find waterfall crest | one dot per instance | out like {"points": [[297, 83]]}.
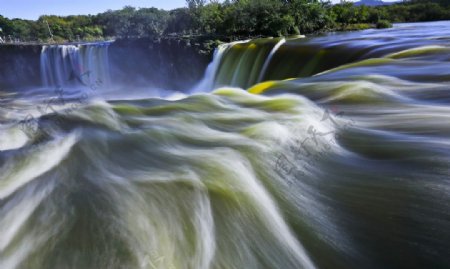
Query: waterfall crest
{"points": [[75, 65]]}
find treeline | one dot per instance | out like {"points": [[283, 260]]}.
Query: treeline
{"points": [[223, 18], [418, 11], [59, 29]]}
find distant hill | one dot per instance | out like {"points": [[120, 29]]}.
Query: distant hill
{"points": [[372, 3]]}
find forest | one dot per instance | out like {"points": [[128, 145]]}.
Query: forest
{"points": [[216, 19]]}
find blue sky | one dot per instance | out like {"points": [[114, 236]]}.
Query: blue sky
{"points": [[32, 9]]}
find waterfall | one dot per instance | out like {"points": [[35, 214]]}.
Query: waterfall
{"points": [[347, 168], [271, 54], [208, 81], [75, 65], [244, 64]]}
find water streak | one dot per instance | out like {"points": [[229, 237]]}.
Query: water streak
{"points": [[330, 162], [70, 65]]}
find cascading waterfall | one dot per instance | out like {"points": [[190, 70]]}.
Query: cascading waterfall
{"points": [[75, 65], [209, 79], [335, 156], [269, 59], [246, 63]]}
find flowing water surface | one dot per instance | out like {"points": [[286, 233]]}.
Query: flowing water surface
{"points": [[324, 152]]}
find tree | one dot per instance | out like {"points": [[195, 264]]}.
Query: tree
{"points": [[192, 4]]}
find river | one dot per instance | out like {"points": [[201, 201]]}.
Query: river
{"points": [[324, 152]]}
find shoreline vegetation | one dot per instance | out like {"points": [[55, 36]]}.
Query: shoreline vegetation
{"points": [[205, 24]]}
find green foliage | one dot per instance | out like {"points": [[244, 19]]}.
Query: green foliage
{"points": [[228, 19], [180, 21], [131, 22], [417, 10], [383, 24], [346, 13]]}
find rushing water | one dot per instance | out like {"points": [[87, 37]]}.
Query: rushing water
{"points": [[68, 65], [340, 158]]}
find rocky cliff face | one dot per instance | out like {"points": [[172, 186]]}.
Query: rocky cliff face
{"points": [[168, 64], [19, 66]]}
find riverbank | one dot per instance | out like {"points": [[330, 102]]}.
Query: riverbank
{"points": [[204, 44]]}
